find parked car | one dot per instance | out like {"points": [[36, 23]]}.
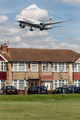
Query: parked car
{"points": [[9, 90], [61, 90], [37, 90], [77, 90], [70, 87]]}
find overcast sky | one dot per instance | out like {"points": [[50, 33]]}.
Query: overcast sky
{"points": [[65, 37]]}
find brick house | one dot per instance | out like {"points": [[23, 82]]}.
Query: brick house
{"points": [[25, 67]]}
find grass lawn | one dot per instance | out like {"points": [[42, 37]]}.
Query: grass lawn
{"points": [[67, 108]]}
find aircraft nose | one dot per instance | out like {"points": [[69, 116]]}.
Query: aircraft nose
{"points": [[18, 20]]}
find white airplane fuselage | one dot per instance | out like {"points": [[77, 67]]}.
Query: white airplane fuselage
{"points": [[24, 21]]}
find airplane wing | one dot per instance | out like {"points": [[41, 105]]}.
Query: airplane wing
{"points": [[50, 23], [57, 22], [56, 26]]}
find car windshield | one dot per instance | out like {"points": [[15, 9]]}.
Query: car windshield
{"points": [[10, 87], [42, 87], [33, 88], [76, 88], [13, 87]]}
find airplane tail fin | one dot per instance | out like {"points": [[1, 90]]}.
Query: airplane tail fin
{"points": [[50, 19]]}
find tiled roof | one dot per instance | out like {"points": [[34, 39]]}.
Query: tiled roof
{"points": [[46, 77], [39, 55]]}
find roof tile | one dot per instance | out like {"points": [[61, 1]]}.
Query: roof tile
{"points": [[40, 55]]}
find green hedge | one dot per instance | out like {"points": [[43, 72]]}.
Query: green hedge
{"points": [[37, 97]]}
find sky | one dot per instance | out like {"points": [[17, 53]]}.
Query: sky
{"points": [[67, 36]]}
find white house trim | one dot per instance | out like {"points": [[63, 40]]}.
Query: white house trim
{"points": [[3, 58], [78, 61]]}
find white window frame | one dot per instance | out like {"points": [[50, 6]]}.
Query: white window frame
{"points": [[4, 63], [17, 82], [58, 65], [75, 69], [44, 64], [1, 83], [14, 65], [33, 64], [18, 63], [58, 82], [76, 82]]}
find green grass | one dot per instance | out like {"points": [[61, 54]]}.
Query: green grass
{"points": [[38, 97], [40, 107]]}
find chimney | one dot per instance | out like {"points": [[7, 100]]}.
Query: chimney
{"points": [[4, 48]]}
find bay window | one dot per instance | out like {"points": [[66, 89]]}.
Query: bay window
{"points": [[76, 67], [76, 82], [58, 67], [20, 66], [20, 84], [59, 83]]}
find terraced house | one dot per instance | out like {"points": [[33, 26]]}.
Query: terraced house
{"points": [[25, 67]]}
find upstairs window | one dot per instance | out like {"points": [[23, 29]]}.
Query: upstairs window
{"points": [[20, 66], [15, 66], [34, 67], [45, 67], [76, 67], [58, 67], [2, 66]]}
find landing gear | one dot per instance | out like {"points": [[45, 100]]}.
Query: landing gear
{"points": [[41, 29], [31, 29]]}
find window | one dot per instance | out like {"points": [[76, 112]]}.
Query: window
{"points": [[59, 83], [15, 83], [15, 66], [26, 66], [61, 66], [34, 67], [77, 83], [79, 67], [2, 66], [58, 67], [3, 83], [76, 67], [20, 84], [20, 66], [45, 67]]}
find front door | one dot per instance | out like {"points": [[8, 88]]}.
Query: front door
{"points": [[48, 85], [33, 82]]}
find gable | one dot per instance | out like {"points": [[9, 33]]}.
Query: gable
{"points": [[78, 61], [2, 58]]}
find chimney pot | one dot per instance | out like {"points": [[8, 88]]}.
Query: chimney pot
{"points": [[4, 48]]}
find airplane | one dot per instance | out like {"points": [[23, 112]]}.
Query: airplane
{"points": [[25, 21]]}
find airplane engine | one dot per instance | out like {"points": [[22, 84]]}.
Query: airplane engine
{"points": [[21, 25], [42, 25]]}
